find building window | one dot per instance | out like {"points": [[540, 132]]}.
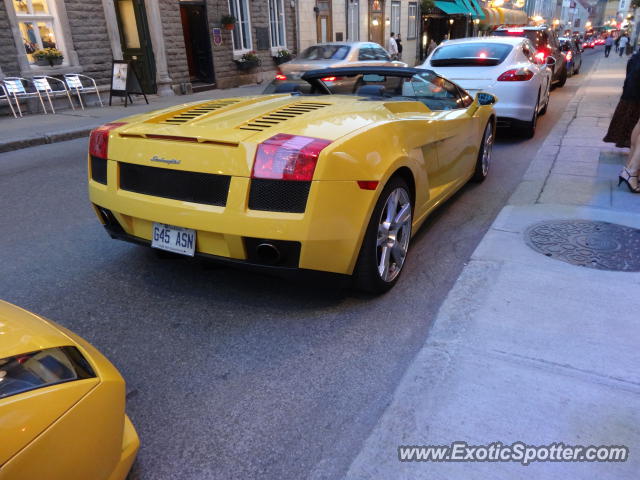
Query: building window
{"points": [[242, 33], [38, 26], [276, 22], [395, 17], [412, 30], [353, 21]]}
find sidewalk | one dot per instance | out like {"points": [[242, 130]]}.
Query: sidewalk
{"points": [[39, 129], [526, 347]]}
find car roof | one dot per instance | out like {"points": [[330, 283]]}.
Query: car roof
{"points": [[488, 39], [24, 332], [348, 44]]}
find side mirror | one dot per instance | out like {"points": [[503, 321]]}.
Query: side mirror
{"points": [[484, 98]]}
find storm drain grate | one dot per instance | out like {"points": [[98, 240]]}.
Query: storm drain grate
{"points": [[600, 245]]}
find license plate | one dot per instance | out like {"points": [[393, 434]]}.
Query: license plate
{"points": [[173, 239]]}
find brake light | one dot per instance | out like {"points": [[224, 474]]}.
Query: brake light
{"points": [[280, 76], [99, 139], [515, 30], [569, 55], [516, 75], [288, 157], [541, 55], [329, 79]]}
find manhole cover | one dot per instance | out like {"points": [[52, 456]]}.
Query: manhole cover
{"points": [[601, 245]]}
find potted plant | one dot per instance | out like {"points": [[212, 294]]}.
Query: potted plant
{"points": [[48, 56], [248, 61], [228, 22], [283, 56]]}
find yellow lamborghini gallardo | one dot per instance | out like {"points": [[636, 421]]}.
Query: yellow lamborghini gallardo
{"points": [[332, 176]]}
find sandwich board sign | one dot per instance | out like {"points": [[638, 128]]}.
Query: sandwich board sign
{"points": [[124, 82]]}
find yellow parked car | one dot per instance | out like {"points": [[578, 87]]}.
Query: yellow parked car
{"points": [[61, 405], [324, 178]]}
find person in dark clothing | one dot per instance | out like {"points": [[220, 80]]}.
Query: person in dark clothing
{"points": [[617, 43], [399, 42], [624, 129]]}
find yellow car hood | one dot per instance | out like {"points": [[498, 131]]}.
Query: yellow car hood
{"points": [[25, 416]]}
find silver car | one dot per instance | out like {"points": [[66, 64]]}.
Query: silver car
{"points": [[333, 55]]}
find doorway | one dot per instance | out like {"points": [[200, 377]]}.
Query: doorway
{"points": [[136, 42], [323, 21], [196, 41], [376, 22]]}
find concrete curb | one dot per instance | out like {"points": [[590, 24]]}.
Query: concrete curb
{"points": [[535, 178], [44, 139]]}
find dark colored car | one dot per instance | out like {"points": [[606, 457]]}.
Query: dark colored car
{"points": [[547, 46], [572, 54]]}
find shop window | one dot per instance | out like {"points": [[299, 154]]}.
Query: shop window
{"points": [[38, 26], [395, 17], [412, 29], [276, 22], [242, 33]]}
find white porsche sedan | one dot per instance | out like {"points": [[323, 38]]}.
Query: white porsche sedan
{"points": [[504, 66]]}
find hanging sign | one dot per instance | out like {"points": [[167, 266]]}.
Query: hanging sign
{"points": [[217, 36], [124, 82]]}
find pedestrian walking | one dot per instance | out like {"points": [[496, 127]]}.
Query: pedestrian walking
{"points": [[622, 46], [393, 47], [432, 46], [617, 43], [608, 43], [624, 130], [399, 44]]}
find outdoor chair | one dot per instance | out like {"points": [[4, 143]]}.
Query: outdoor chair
{"points": [[43, 84], [16, 88], [4, 95], [76, 84]]}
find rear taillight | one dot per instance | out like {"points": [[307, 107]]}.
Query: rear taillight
{"points": [[280, 76], [568, 55], [99, 139], [516, 75], [288, 157]]}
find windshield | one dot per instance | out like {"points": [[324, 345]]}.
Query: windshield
{"points": [[325, 52], [40, 369], [481, 54], [534, 35]]}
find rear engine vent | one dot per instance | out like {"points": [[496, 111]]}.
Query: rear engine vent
{"points": [[278, 195], [195, 187], [195, 112], [271, 119]]}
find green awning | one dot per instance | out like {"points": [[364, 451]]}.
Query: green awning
{"points": [[450, 7], [460, 7]]}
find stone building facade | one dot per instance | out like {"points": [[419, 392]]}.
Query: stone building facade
{"points": [[361, 20], [174, 45]]}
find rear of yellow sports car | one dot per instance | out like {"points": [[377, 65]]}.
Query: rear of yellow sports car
{"points": [[278, 181]]}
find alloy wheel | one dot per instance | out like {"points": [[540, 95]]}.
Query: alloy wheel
{"points": [[394, 233], [487, 148]]}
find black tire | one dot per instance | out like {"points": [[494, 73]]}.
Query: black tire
{"points": [[576, 72], [366, 276], [546, 105], [480, 172], [528, 129], [563, 77]]}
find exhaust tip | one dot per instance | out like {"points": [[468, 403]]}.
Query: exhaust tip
{"points": [[268, 253]]}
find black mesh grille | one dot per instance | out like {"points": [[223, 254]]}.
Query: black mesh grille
{"points": [[278, 195], [175, 184], [99, 170]]}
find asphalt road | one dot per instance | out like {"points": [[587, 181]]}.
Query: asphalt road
{"points": [[233, 375]]}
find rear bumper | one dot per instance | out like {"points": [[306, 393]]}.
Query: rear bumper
{"points": [[329, 232]]}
